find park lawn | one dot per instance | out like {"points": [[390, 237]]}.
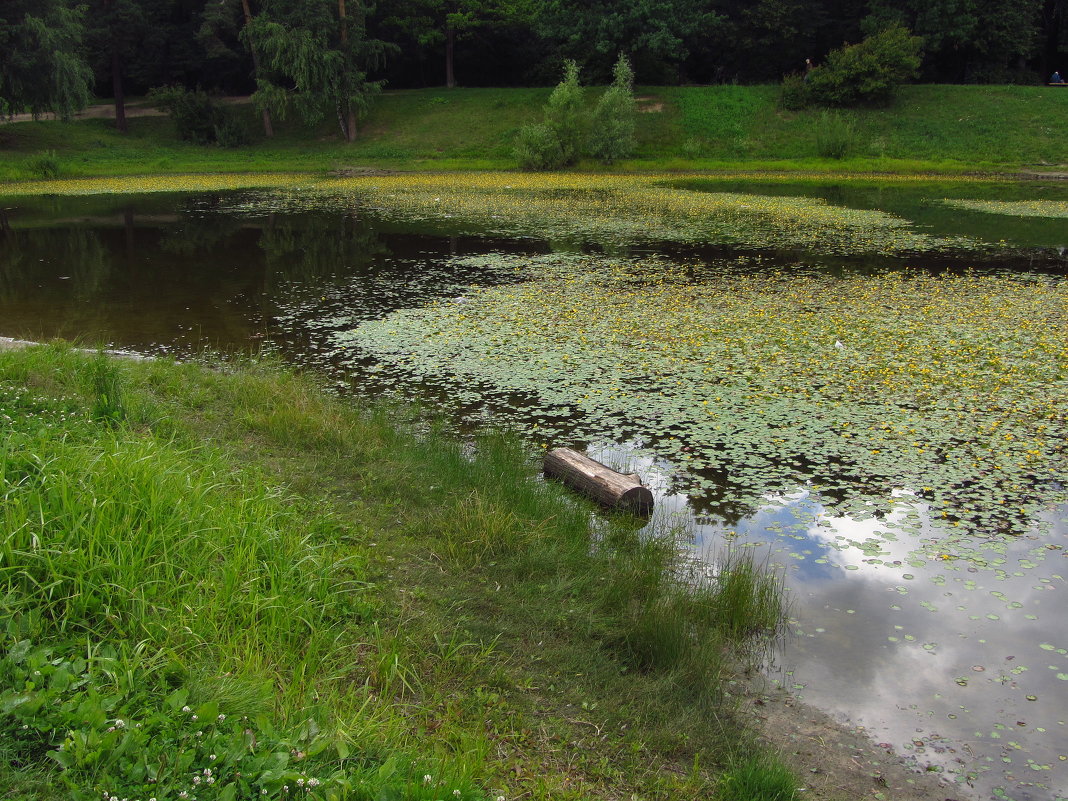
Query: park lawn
{"points": [[928, 128]]}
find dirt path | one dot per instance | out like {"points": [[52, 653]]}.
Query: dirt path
{"points": [[106, 111]]}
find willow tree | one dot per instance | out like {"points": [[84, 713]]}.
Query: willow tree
{"points": [[315, 58], [41, 66]]}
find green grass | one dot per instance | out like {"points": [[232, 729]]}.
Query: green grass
{"points": [[761, 778], [367, 599], [928, 128]]}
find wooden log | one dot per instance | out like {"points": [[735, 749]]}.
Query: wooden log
{"points": [[603, 484]]}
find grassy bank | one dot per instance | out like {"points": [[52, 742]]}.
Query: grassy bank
{"points": [[226, 584], [928, 128]]}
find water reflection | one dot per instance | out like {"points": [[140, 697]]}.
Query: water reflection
{"points": [[957, 661]]}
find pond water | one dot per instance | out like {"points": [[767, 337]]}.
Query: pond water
{"points": [[865, 383]]}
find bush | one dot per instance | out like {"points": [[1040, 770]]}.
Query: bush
{"points": [[197, 117], [862, 74], [193, 113], [836, 134], [230, 132], [612, 125], [556, 142], [537, 148], [793, 95], [564, 115]]}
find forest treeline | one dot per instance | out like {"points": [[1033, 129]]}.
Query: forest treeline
{"points": [[333, 54]]}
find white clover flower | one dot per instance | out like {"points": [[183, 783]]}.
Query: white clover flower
{"points": [[300, 782], [313, 782], [427, 778], [195, 717], [456, 793], [119, 723], [196, 780], [207, 771], [212, 757], [186, 709], [500, 798], [222, 717], [210, 780]]}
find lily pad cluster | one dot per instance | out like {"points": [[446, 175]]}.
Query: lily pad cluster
{"points": [[615, 210], [1018, 208], [954, 388]]}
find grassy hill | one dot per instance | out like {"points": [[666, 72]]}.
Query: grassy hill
{"points": [[941, 128]]}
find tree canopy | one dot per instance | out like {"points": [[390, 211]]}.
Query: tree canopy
{"points": [[326, 57], [42, 67]]}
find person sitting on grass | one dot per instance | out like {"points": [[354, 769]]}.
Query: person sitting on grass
{"points": [[1056, 77]]}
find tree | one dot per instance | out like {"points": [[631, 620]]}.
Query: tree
{"points": [[612, 124], [860, 74], [41, 66], [966, 39], [557, 141], [232, 16], [430, 24], [141, 44], [117, 30], [656, 35], [316, 55]]}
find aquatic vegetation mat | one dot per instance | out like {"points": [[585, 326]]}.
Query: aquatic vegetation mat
{"points": [[753, 381], [1016, 208], [613, 210], [192, 182]]}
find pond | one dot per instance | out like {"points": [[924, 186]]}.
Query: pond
{"points": [[866, 383]]}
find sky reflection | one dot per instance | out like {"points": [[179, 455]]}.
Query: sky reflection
{"points": [[947, 647]]}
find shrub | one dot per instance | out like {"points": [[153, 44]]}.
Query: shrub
{"points": [[612, 125], [556, 142], [537, 148], [794, 96], [193, 113], [197, 117], [564, 115], [862, 74], [836, 135], [229, 132]]}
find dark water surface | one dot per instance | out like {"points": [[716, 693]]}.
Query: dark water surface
{"points": [[960, 663]]}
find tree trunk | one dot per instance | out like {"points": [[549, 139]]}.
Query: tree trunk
{"points": [[450, 47], [603, 484], [120, 96], [349, 125], [268, 127], [116, 77]]}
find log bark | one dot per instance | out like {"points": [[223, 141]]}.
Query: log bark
{"points": [[603, 484]]}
